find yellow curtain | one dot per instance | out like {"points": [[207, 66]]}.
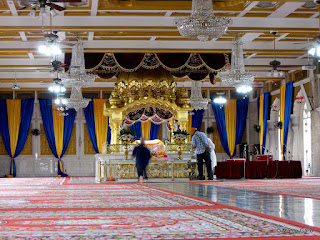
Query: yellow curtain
{"points": [[14, 112], [100, 121], [261, 121], [231, 123], [189, 125], [58, 124], [145, 127], [282, 109]]}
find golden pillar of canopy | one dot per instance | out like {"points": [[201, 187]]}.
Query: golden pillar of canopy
{"points": [[143, 89]]}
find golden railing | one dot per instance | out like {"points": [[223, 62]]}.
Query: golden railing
{"points": [[169, 147], [155, 169]]}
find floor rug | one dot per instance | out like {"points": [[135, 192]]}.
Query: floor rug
{"points": [[131, 211], [306, 187]]}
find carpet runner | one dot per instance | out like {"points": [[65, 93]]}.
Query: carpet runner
{"points": [[306, 187], [129, 211]]}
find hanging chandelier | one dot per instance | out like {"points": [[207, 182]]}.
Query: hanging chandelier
{"points": [[196, 99], [236, 76], [202, 24], [76, 100], [77, 75]]}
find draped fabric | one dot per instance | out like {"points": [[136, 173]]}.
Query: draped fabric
{"points": [[154, 130], [108, 64], [97, 124], [136, 128], [242, 113], [219, 115], [15, 118], [89, 116], [101, 122], [230, 112], [58, 130], [145, 127], [263, 108], [197, 119], [286, 96], [189, 126], [231, 122]]}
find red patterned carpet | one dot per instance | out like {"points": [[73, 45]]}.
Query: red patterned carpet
{"points": [[305, 187], [51, 208]]}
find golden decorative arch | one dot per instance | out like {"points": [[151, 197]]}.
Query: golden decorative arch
{"points": [[142, 89]]}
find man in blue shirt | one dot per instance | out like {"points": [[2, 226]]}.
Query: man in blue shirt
{"points": [[199, 141], [142, 155]]}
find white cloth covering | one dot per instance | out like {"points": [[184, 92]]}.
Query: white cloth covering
{"points": [[212, 154]]}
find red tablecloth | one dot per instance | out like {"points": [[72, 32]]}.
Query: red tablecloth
{"points": [[230, 169], [259, 169], [256, 169], [284, 169]]}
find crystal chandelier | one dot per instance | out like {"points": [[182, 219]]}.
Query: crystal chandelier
{"points": [[202, 24], [196, 99], [236, 76], [77, 75], [76, 100]]}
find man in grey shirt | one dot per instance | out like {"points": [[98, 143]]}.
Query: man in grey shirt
{"points": [[199, 141]]}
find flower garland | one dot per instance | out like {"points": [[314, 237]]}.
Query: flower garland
{"points": [[180, 136], [126, 136]]}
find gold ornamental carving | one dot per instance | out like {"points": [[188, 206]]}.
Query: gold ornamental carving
{"points": [[146, 88]]}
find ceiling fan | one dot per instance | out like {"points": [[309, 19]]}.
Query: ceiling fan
{"points": [[34, 4], [15, 86]]}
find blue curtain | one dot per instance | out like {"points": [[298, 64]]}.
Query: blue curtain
{"points": [[67, 129], [287, 113], [197, 119], [154, 130], [4, 126], [218, 111], [109, 133], [242, 112], [136, 128], [47, 119], [25, 122], [89, 116]]}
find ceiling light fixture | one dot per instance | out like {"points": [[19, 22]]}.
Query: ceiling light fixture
{"points": [[221, 99], [236, 75], [57, 86], [202, 24], [274, 72], [77, 75], [196, 99], [76, 100]]}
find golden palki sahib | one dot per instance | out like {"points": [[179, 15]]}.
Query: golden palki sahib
{"points": [[143, 89]]}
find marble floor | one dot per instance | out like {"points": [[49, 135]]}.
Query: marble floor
{"points": [[299, 209]]}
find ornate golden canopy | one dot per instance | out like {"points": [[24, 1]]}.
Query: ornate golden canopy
{"points": [[142, 89]]}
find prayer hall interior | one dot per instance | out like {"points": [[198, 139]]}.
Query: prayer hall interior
{"points": [[82, 81]]}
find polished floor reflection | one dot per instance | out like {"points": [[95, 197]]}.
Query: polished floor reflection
{"points": [[299, 209]]}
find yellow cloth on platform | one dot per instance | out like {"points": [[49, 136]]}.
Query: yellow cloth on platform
{"points": [[261, 121], [101, 122], [14, 113], [58, 124], [230, 111], [282, 109], [145, 127]]}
